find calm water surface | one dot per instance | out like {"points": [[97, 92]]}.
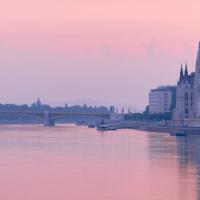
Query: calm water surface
{"points": [[77, 163]]}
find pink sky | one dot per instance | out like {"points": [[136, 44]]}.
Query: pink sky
{"points": [[63, 50]]}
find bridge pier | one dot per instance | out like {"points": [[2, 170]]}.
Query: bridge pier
{"points": [[47, 120], [49, 123]]}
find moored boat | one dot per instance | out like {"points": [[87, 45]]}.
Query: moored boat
{"points": [[91, 125], [106, 127], [177, 133]]}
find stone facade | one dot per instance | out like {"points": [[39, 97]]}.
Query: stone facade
{"points": [[187, 110]]}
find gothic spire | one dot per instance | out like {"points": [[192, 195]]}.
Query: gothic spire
{"points": [[198, 61], [181, 74], [186, 70]]}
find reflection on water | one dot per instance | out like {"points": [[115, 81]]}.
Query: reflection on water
{"points": [[70, 162]]}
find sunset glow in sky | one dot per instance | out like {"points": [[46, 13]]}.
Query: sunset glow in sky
{"points": [[106, 50]]}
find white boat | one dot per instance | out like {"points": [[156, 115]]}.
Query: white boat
{"points": [[106, 127]]}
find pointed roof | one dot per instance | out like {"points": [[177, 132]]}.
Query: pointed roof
{"points": [[197, 70], [181, 74], [186, 70], [38, 102]]}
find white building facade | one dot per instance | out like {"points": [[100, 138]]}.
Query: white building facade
{"points": [[161, 99]]}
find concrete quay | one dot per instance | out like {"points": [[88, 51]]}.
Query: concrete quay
{"points": [[153, 127]]}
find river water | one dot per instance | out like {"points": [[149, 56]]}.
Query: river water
{"points": [[77, 163]]}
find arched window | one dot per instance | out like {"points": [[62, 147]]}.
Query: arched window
{"points": [[186, 105], [192, 99], [186, 96]]}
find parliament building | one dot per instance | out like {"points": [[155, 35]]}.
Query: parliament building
{"points": [[187, 109]]}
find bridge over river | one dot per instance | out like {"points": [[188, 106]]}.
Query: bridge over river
{"points": [[49, 118]]}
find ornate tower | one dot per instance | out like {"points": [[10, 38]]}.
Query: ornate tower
{"points": [[197, 85], [181, 74], [186, 70]]}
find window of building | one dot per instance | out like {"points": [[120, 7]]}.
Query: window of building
{"points": [[186, 105], [191, 100]]}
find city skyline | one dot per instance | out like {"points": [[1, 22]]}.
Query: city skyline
{"points": [[107, 51]]}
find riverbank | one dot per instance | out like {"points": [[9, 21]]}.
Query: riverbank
{"points": [[154, 127]]}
